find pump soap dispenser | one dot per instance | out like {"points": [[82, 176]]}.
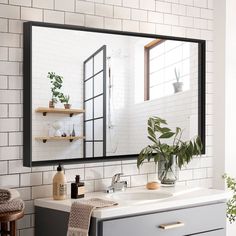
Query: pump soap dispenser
{"points": [[59, 184]]}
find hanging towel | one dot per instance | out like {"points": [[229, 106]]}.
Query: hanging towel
{"points": [[8, 195], [13, 205], [80, 215]]}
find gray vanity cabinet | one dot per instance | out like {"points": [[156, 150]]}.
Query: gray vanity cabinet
{"points": [[206, 220], [200, 220]]}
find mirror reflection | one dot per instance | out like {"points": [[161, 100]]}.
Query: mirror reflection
{"points": [[113, 84]]}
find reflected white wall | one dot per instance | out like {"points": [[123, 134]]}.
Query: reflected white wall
{"points": [[55, 51]]}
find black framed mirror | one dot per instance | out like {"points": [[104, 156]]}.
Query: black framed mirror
{"points": [[107, 83]]}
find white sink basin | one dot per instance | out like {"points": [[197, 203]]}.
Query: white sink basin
{"points": [[139, 196]]}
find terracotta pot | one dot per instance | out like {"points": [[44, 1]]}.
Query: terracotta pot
{"points": [[51, 104], [67, 106]]}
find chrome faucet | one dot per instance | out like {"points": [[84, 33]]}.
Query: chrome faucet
{"points": [[116, 184]]}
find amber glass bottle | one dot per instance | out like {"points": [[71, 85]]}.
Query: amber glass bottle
{"points": [[77, 188]]}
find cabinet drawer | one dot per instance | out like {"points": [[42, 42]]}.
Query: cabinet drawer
{"points": [[191, 220]]}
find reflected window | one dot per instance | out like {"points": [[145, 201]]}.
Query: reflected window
{"points": [[168, 67]]}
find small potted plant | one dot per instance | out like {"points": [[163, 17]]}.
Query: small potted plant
{"points": [[178, 86], [65, 99], [56, 84], [168, 150]]}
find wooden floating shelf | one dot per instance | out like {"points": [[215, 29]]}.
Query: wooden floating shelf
{"points": [[70, 112], [48, 138]]}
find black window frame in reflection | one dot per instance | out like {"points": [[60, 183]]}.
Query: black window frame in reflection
{"points": [[93, 141]]}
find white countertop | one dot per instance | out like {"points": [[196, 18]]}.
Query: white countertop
{"points": [[181, 197]]}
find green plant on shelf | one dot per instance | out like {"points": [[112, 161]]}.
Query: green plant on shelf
{"points": [[56, 82], [64, 98]]}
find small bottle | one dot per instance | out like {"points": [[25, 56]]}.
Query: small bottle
{"points": [[77, 188], [73, 131], [59, 184]]}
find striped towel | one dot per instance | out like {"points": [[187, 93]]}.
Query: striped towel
{"points": [[8, 195], [80, 215], [13, 205]]}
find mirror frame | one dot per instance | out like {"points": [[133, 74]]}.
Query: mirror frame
{"points": [[27, 93]]}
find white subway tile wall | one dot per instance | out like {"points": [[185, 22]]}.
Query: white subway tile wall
{"points": [[188, 18]]}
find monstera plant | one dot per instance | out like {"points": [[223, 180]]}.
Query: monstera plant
{"points": [[168, 149]]}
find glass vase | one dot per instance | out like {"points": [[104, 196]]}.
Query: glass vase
{"points": [[168, 170]]}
